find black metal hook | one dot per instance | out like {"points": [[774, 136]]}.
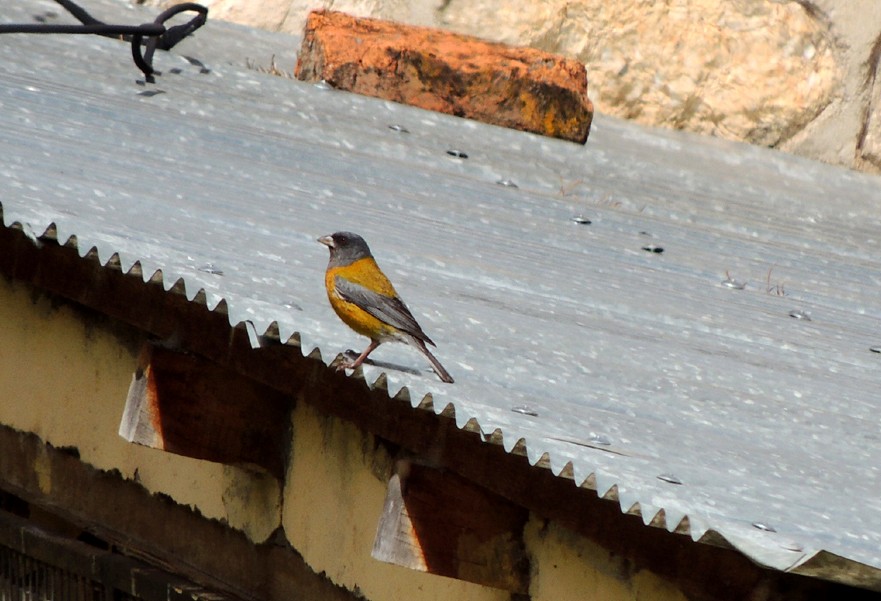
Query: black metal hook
{"points": [[169, 37]]}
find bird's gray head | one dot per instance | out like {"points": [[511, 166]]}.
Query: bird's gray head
{"points": [[345, 248]]}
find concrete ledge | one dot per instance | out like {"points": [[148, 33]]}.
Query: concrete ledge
{"points": [[519, 88]]}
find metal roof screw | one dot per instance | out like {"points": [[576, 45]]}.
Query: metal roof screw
{"points": [[730, 282], [507, 183], [793, 546], [399, 128], [764, 527], [799, 314], [669, 478], [211, 268], [457, 153], [525, 410], [653, 248], [734, 284], [599, 439], [323, 85], [581, 220]]}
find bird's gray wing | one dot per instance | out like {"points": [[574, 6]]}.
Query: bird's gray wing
{"points": [[390, 310]]}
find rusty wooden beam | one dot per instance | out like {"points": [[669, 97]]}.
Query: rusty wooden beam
{"points": [[184, 404], [438, 522]]}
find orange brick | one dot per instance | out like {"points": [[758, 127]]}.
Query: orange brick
{"points": [[520, 88]]}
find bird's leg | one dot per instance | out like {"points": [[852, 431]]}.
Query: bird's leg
{"points": [[353, 364]]}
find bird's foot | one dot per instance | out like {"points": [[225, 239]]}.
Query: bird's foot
{"points": [[348, 360]]}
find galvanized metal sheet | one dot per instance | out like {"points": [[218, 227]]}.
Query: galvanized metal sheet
{"points": [[634, 371]]}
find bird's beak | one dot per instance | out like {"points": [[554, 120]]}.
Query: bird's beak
{"points": [[327, 241]]}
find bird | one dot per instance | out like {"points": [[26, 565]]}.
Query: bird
{"points": [[364, 298]]}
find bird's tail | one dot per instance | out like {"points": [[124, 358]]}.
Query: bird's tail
{"points": [[442, 373]]}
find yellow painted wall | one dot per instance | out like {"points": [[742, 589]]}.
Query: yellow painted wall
{"points": [[568, 567], [64, 377]]}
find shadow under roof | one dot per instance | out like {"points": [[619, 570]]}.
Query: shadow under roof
{"points": [[751, 411]]}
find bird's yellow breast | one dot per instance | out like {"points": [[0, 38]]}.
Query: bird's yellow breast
{"points": [[364, 272]]}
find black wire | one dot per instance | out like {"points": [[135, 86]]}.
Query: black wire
{"points": [[78, 12], [150, 29], [158, 36]]}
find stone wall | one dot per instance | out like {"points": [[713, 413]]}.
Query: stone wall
{"points": [[800, 76]]}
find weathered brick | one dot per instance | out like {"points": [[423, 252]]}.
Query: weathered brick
{"points": [[520, 88]]}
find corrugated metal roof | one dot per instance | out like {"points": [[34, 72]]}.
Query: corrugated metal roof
{"points": [[639, 373]]}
